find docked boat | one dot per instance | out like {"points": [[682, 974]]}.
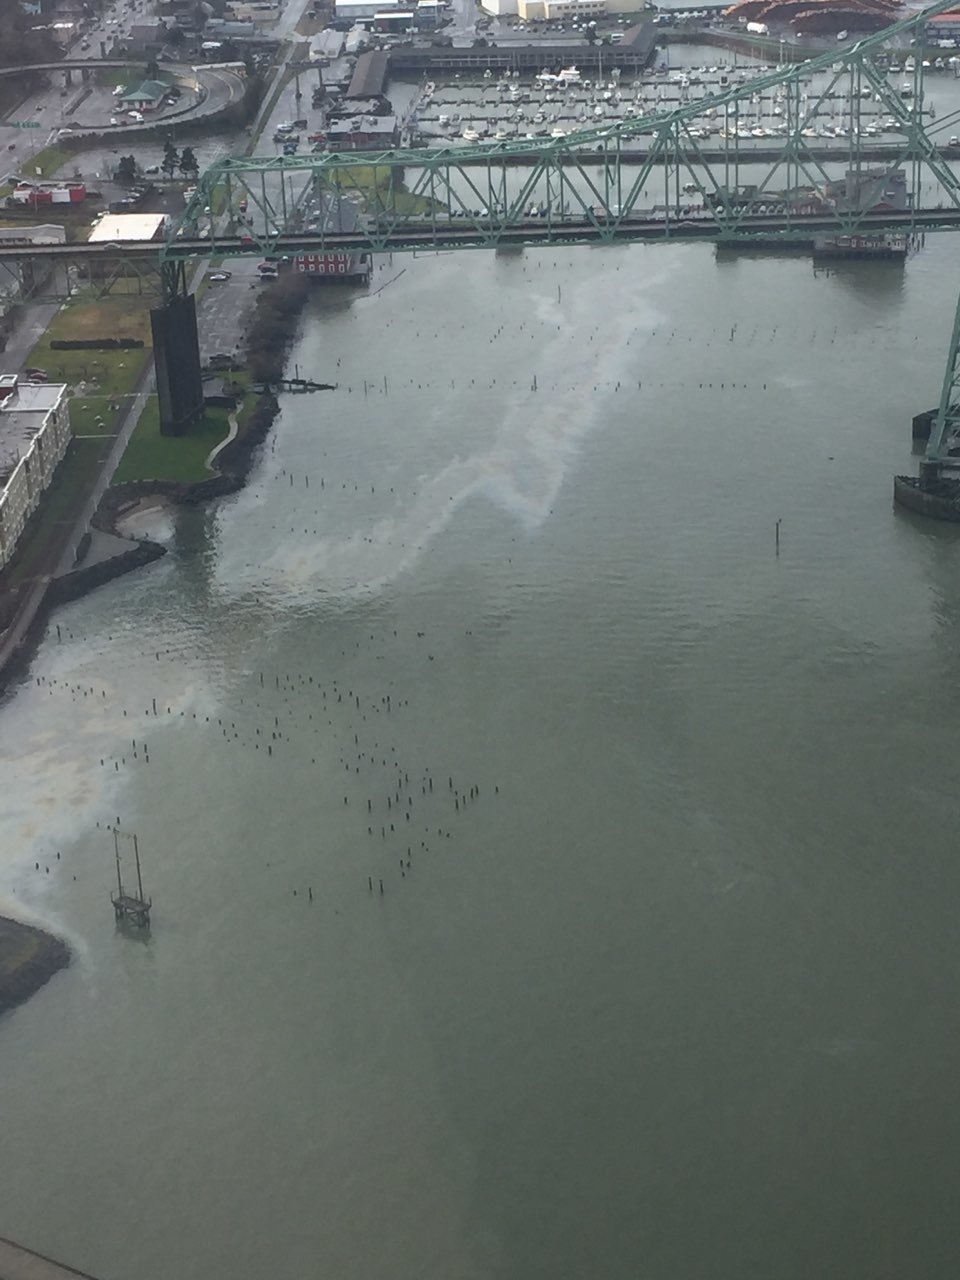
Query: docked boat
{"points": [[470, 135]]}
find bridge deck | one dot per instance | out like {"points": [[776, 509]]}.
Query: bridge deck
{"points": [[18, 1263], [473, 233]]}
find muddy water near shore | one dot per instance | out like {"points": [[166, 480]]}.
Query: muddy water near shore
{"points": [[661, 977]]}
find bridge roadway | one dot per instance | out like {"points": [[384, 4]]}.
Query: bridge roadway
{"points": [[471, 233], [85, 64]]}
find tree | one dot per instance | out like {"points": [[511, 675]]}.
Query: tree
{"points": [[153, 69], [591, 35], [127, 169], [176, 36], [188, 161], [170, 158]]}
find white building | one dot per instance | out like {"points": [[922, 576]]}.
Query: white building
{"points": [[34, 434], [499, 8], [48, 233], [560, 10], [114, 228], [430, 12], [326, 46], [354, 9]]}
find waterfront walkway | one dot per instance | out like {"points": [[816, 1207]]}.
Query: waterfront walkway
{"points": [[17, 1263]]}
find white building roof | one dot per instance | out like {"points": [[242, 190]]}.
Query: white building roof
{"points": [[22, 415], [128, 226], [48, 233]]}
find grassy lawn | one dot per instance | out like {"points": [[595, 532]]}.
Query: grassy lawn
{"points": [[48, 161], [110, 77], [85, 410], [375, 186], [59, 508], [104, 373], [151, 456]]}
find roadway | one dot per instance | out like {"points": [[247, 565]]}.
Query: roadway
{"points": [[210, 90], [477, 232]]}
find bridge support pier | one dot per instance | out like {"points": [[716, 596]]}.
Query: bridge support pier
{"points": [[176, 355], [935, 492]]}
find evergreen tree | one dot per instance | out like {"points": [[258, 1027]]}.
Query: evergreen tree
{"points": [[188, 161], [170, 158], [127, 169]]}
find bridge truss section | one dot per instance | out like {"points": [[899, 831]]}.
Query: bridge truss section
{"points": [[658, 172]]}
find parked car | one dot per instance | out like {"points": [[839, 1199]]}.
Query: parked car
{"points": [[135, 116]]}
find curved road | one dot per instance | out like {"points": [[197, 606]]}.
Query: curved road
{"points": [[219, 88]]}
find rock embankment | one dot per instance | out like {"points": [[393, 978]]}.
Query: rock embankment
{"points": [[28, 959]]}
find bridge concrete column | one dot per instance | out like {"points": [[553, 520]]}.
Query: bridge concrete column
{"points": [[67, 78], [84, 75]]}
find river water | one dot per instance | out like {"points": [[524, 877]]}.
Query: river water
{"points": [[673, 995]]}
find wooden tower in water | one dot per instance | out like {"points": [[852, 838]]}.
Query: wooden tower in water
{"points": [[125, 905]]}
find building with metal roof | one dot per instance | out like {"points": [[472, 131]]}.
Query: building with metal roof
{"points": [[146, 97], [370, 75]]}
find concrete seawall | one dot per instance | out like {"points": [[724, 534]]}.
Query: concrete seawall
{"points": [[938, 502]]}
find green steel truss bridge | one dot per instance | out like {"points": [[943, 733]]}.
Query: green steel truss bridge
{"points": [[659, 177]]}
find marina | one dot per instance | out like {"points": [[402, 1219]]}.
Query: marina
{"points": [[555, 104]]}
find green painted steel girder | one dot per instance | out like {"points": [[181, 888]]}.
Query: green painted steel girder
{"points": [[469, 182]]}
